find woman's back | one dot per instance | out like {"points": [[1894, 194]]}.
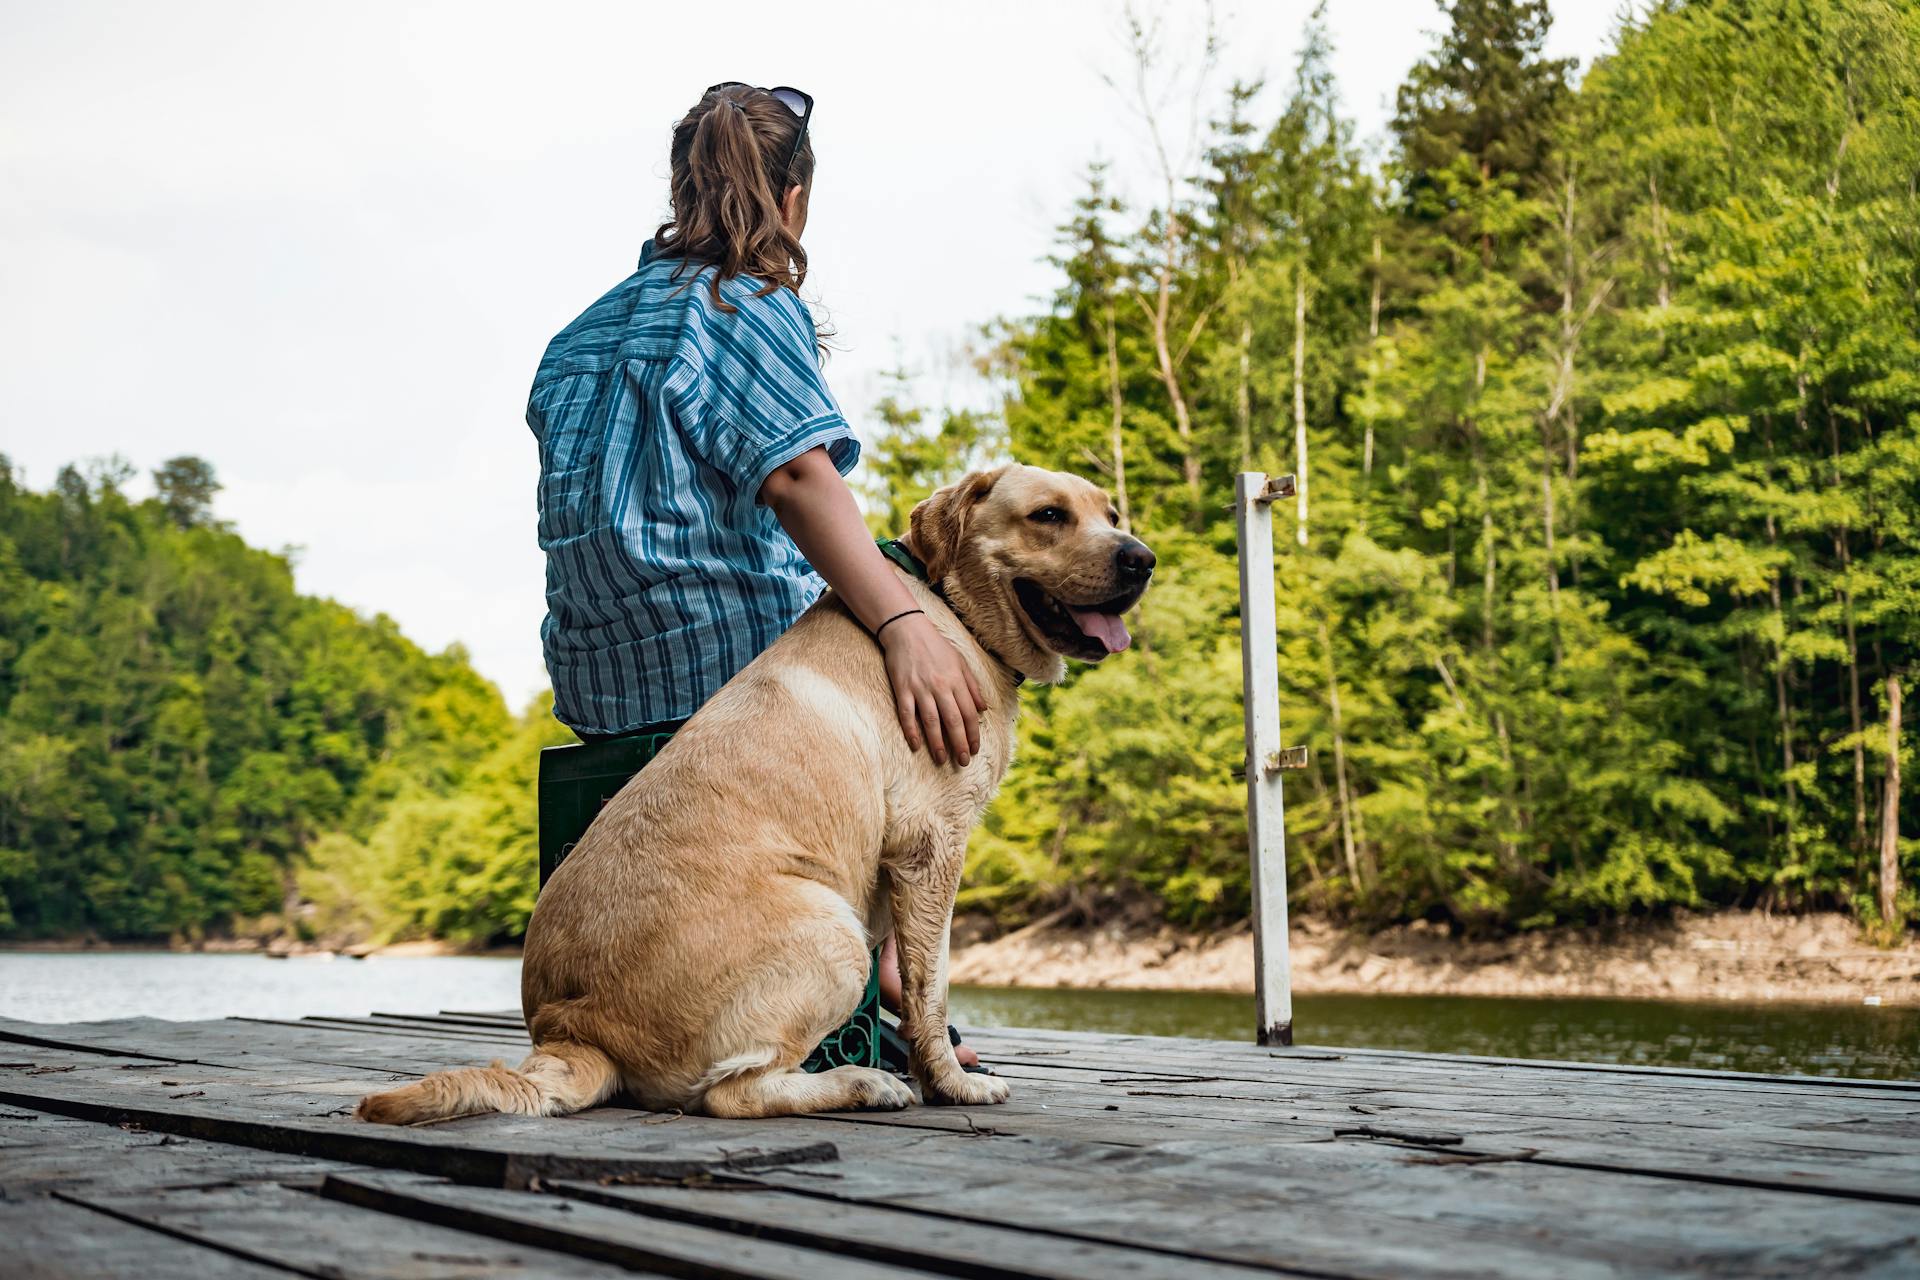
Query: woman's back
{"points": [[659, 415]]}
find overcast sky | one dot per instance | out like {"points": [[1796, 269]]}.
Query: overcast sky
{"points": [[323, 245]]}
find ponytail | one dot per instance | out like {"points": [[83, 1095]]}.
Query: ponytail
{"points": [[726, 196]]}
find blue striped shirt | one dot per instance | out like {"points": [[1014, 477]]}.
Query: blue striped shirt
{"points": [[658, 418]]}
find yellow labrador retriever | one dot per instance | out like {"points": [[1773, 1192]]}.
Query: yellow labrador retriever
{"points": [[714, 923]]}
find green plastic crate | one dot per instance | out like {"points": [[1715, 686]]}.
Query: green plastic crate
{"points": [[576, 781]]}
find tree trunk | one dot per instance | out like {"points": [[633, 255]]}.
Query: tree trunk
{"points": [[1890, 818], [1163, 353], [1559, 409], [1780, 696], [1664, 293], [1243, 396], [1117, 405], [1159, 313], [1373, 311], [1373, 340], [1844, 555], [1553, 570], [1489, 578], [1853, 707], [1348, 818], [1509, 847], [1300, 395], [1847, 119], [1780, 667]]}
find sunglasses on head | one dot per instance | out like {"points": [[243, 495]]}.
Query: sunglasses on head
{"points": [[794, 100]]}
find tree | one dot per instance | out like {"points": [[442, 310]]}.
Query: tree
{"points": [[185, 486]]}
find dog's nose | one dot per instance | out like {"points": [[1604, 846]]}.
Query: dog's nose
{"points": [[1133, 560]]}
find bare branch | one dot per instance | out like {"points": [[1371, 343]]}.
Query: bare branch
{"points": [[1199, 327], [1105, 467]]}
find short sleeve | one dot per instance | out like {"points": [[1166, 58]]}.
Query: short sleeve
{"points": [[763, 400]]}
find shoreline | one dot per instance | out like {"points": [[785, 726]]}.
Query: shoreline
{"points": [[1733, 956]]}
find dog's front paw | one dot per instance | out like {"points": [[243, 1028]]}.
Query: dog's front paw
{"points": [[878, 1090], [962, 1089]]}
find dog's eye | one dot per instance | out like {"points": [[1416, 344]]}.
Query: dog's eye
{"points": [[1113, 518], [1049, 515]]}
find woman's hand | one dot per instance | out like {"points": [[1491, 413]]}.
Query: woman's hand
{"points": [[934, 693]]}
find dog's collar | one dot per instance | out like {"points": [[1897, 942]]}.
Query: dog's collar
{"points": [[901, 554]]}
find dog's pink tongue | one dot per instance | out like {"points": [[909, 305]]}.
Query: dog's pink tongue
{"points": [[1104, 627]]}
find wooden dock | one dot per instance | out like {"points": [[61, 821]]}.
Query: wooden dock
{"points": [[226, 1149]]}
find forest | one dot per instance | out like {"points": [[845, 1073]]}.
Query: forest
{"points": [[1602, 394], [1601, 401], [191, 749]]}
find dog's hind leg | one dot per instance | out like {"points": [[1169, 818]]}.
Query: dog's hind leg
{"points": [[557, 1078], [789, 1091], [813, 975]]}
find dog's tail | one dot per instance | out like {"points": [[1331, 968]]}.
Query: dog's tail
{"points": [[558, 1078]]}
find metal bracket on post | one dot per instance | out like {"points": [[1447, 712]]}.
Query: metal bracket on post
{"points": [[1276, 487], [1287, 758], [1254, 493]]}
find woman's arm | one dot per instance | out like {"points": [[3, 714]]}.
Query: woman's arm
{"points": [[933, 691]]}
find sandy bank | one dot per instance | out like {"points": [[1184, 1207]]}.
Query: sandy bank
{"points": [[1725, 956]]}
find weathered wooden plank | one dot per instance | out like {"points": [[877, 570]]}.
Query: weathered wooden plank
{"points": [[516, 1023], [1831, 1124], [235, 1042], [1182, 1053], [1666, 1074], [312, 1236], [1116, 1050], [44, 1239], [886, 1234], [41, 1153], [1348, 1210], [486, 1150], [595, 1232], [448, 1031], [1471, 1086], [242, 1044]]}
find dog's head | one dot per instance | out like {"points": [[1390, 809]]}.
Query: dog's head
{"points": [[1035, 563]]}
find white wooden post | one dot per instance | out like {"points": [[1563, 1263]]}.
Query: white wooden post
{"points": [[1254, 494]]}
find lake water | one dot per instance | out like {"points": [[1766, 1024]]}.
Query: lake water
{"points": [[1839, 1040]]}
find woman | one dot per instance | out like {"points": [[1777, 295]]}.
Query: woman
{"points": [[692, 500]]}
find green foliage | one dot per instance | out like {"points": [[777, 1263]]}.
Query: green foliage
{"points": [[181, 726], [1607, 402], [461, 865]]}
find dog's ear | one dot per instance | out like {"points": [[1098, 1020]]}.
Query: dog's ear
{"points": [[938, 523]]}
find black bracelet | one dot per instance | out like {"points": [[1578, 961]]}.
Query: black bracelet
{"points": [[895, 618]]}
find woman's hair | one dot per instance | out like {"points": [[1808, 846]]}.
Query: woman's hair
{"points": [[727, 186]]}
